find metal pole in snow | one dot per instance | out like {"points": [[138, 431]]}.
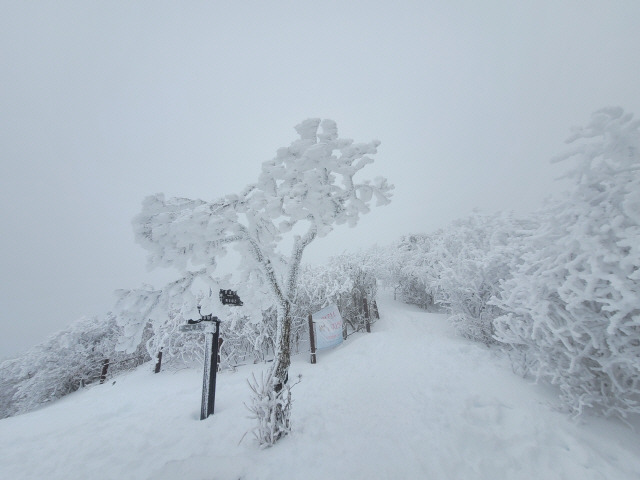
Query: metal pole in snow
{"points": [[210, 370], [210, 326]]}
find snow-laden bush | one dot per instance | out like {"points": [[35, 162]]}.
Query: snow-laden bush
{"points": [[403, 266], [457, 269], [344, 281], [469, 259], [416, 280], [11, 375], [67, 361], [246, 338], [270, 406], [574, 301]]}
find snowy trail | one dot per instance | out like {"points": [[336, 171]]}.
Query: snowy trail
{"points": [[425, 404], [409, 400]]}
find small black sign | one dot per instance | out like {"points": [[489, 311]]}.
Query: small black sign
{"points": [[229, 297], [202, 327]]}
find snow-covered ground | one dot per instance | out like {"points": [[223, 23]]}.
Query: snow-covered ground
{"points": [[410, 400]]}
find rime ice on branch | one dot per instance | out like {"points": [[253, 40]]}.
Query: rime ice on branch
{"points": [[574, 299]]}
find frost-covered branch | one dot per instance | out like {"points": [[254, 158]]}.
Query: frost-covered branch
{"points": [[574, 301], [300, 243]]}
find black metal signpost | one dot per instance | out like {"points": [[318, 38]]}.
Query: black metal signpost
{"points": [[210, 326]]}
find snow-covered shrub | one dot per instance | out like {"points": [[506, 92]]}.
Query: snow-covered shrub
{"points": [[247, 338], [69, 360], [322, 285], [343, 281], [11, 375], [404, 267], [574, 301], [365, 288], [457, 269], [270, 406], [416, 278], [469, 259], [381, 262]]}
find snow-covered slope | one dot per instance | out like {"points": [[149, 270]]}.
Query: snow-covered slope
{"points": [[409, 400]]}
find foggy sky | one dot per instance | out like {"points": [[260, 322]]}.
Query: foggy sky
{"points": [[103, 103]]}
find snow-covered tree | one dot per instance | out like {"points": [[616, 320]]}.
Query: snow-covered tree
{"points": [[306, 189], [574, 300]]}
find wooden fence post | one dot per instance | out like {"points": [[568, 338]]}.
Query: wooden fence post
{"points": [[312, 340], [375, 310], [105, 367], [367, 323], [158, 362]]}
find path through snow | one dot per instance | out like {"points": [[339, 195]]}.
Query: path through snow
{"points": [[410, 400]]}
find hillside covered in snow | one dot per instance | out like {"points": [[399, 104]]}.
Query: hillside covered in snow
{"points": [[409, 400]]}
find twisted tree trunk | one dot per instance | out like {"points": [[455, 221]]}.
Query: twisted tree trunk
{"points": [[283, 346], [280, 372]]}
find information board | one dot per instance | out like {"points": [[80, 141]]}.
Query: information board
{"points": [[328, 327]]}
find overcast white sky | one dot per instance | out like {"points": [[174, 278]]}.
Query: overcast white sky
{"points": [[103, 103]]}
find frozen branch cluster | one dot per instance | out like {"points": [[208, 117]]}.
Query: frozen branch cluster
{"points": [[306, 189], [457, 269], [270, 409], [560, 289], [574, 300]]}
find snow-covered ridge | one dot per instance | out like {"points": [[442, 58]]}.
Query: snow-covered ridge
{"points": [[410, 400]]}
